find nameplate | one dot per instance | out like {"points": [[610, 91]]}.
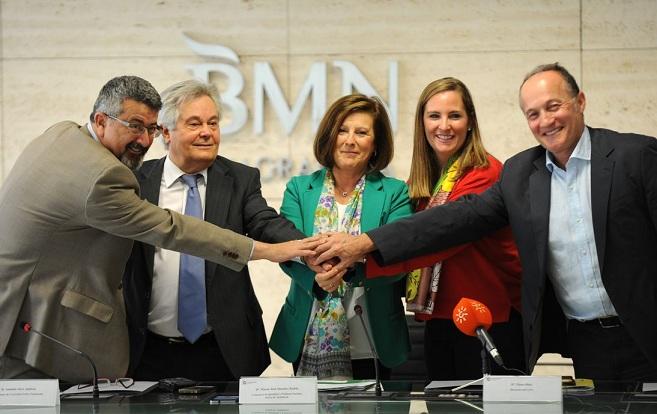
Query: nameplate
{"points": [[496, 407], [278, 390], [33, 392], [503, 388]]}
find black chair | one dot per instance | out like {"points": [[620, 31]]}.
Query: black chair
{"points": [[414, 368]]}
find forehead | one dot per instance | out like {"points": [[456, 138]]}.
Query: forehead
{"points": [[200, 106], [131, 109], [359, 117], [543, 87], [450, 99]]}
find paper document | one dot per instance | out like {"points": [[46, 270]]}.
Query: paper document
{"points": [[345, 385], [448, 385], [136, 388]]}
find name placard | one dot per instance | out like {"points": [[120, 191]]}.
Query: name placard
{"points": [[507, 388], [278, 390], [33, 392]]}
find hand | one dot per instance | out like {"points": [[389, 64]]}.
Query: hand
{"points": [[330, 280], [281, 252], [321, 268], [348, 249]]}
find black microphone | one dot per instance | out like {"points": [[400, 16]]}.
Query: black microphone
{"points": [[377, 387], [488, 343], [27, 327]]}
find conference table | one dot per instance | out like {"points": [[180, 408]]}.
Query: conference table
{"points": [[408, 397]]}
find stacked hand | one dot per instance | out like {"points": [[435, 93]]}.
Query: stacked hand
{"points": [[329, 255], [336, 253]]}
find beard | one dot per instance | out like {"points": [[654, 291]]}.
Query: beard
{"points": [[130, 159]]}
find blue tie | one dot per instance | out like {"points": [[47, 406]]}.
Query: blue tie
{"points": [[192, 317]]}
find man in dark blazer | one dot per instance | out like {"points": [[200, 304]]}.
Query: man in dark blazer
{"points": [[583, 210], [234, 342]]}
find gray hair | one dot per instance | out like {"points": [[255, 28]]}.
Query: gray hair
{"points": [[571, 83], [177, 94], [113, 93]]}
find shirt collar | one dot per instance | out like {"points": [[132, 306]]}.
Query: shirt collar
{"points": [[582, 151], [92, 132], [172, 173]]}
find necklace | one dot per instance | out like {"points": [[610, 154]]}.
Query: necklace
{"points": [[344, 194]]}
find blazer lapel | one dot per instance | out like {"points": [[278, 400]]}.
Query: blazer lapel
{"points": [[373, 200], [150, 190], [218, 196], [310, 197], [539, 208], [602, 168]]}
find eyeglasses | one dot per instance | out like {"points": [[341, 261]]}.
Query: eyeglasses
{"points": [[550, 109], [106, 382], [137, 129]]}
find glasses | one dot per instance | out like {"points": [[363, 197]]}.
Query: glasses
{"points": [[550, 109], [106, 382], [137, 128]]}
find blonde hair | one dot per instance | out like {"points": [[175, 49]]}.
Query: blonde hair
{"points": [[425, 169]]}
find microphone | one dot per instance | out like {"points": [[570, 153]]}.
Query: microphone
{"points": [[27, 327], [473, 318], [377, 380]]}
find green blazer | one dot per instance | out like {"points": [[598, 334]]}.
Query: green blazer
{"points": [[384, 200]]}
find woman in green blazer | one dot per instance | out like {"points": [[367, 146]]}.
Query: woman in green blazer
{"points": [[318, 331]]}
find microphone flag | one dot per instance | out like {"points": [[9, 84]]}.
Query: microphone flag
{"points": [[469, 314]]}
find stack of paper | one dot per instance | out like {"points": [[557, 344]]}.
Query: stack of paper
{"points": [[345, 385]]}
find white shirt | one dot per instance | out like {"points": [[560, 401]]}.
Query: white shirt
{"points": [[163, 311], [573, 263]]}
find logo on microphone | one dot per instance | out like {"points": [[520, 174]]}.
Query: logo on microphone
{"points": [[460, 314]]}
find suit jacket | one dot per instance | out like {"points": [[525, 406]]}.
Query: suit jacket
{"points": [[384, 200], [233, 201], [68, 211], [624, 210]]}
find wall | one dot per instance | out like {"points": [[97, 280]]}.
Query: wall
{"points": [[57, 55]]}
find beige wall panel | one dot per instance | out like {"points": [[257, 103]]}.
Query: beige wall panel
{"points": [[431, 26], [36, 101], [271, 285], [621, 90], [613, 24], [91, 28]]}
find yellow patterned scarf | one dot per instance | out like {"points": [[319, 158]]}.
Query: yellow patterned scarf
{"points": [[422, 284]]}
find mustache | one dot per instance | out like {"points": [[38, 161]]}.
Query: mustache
{"points": [[134, 146]]}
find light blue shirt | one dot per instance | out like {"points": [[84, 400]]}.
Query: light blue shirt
{"points": [[573, 265]]}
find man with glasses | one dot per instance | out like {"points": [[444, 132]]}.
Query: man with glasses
{"points": [[583, 209], [230, 341], [69, 210]]}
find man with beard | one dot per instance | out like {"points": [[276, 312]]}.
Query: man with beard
{"points": [[69, 210]]}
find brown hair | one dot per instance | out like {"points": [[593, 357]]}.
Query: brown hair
{"points": [[425, 170], [571, 83], [327, 133]]}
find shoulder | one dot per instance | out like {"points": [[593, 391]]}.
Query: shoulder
{"points": [[608, 137], [235, 166], [308, 180], [387, 183], [482, 175]]}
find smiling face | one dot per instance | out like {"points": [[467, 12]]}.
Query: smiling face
{"points": [[194, 141], [125, 145], [554, 115], [445, 124], [355, 143]]}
